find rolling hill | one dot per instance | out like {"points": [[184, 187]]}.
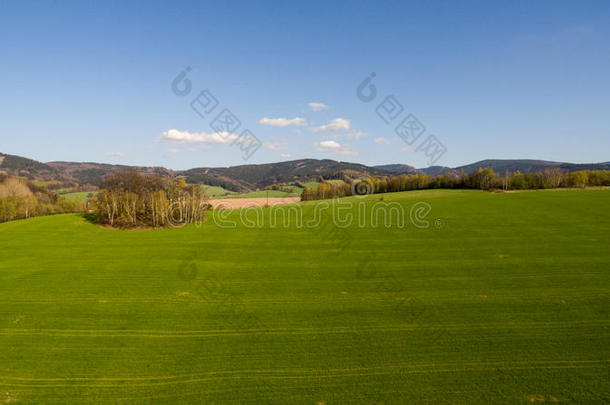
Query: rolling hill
{"points": [[528, 166], [92, 173], [18, 166], [259, 176], [497, 165], [244, 178]]}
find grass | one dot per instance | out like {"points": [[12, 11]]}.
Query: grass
{"points": [[215, 191], [219, 192], [313, 184], [265, 193], [505, 301]]}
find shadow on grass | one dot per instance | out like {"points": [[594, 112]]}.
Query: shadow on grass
{"points": [[90, 217]]}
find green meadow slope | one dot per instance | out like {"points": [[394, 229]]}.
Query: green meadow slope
{"points": [[504, 298]]}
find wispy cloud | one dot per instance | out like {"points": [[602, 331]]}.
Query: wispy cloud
{"points": [[330, 144], [383, 141], [338, 124], [176, 136], [282, 122], [275, 145], [334, 148], [286, 155], [355, 135], [116, 154], [317, 106]]}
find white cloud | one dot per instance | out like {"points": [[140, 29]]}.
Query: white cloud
{"points": [[382, 141], [338, 124], [408, 148], [330, 144], [282, 122], [286, 155], [116, 154], [317, 106], [334, 148], [175, 136]]}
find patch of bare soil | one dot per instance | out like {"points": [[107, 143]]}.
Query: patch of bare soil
{"points": [[237, 203]]}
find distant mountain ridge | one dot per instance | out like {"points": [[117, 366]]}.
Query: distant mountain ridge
{"points": [[500, 166], [253, 176], [528, 165]]}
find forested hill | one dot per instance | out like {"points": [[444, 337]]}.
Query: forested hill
{"points": [[23, 167], [497, 165], [259, 176], [93, 173], [530, 166]]}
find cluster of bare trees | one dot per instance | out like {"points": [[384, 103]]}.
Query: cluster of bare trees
{"points": [[129, 199], [325, 191], [482, 179], [487, 179], [22, 199]]}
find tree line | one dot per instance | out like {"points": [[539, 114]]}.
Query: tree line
{"points": [[482, 179], [130, 199], [22, 199]]}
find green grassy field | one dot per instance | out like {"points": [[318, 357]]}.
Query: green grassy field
{"points": [[265, 193], [219, 192], [312, 184], [504, 298], [215, 191]]}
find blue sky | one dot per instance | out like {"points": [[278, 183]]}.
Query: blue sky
{"points": [[92, 82]]}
